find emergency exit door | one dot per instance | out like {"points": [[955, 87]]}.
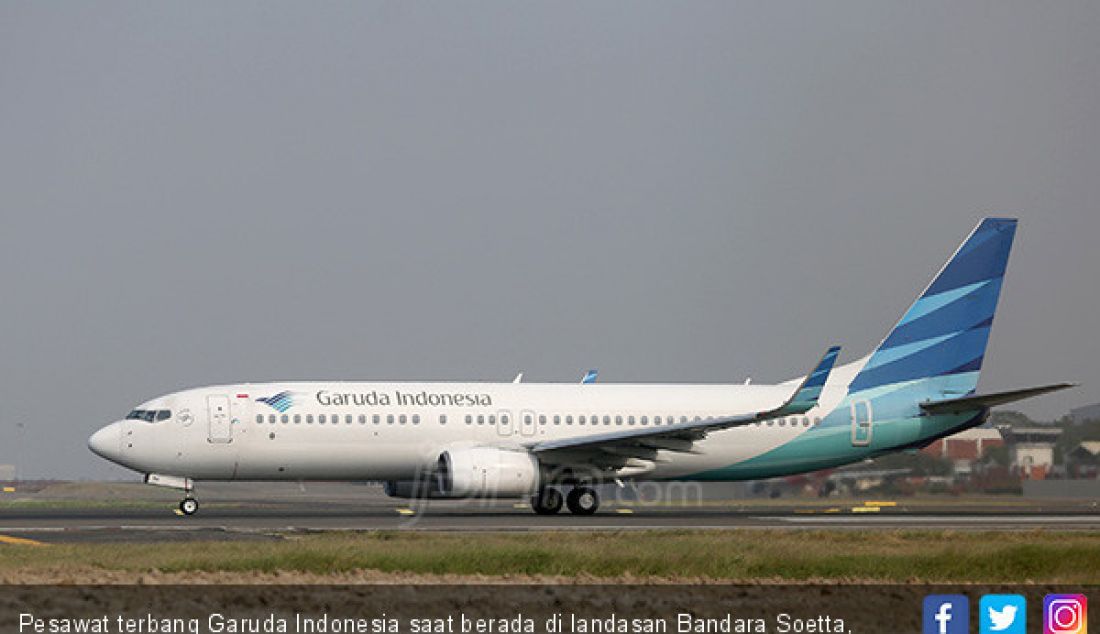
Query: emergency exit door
{"points": [[862, 423]]}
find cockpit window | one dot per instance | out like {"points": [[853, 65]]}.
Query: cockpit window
{"points": [[149, 415]]}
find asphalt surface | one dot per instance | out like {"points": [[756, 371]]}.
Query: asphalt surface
{"points": [[273, 521], [132, 512]]}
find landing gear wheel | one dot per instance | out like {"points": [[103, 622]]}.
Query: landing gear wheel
{"points": [[189, 506], [582, 501], [547, 501]]}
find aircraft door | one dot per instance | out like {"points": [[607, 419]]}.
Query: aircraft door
{"points": [[862, 423], [220, 426]]}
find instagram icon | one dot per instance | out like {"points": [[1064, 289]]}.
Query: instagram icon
{"points": [[1065, 614]]}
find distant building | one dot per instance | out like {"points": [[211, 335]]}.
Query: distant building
{"points": [[1031, 450], [1082, 414], [1084, 460], [967, 447], [7, 472]]}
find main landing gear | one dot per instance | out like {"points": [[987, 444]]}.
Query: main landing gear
{"points": [[581, 500]]}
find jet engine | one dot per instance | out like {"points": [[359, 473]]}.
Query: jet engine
{"points": [[480, 472]]}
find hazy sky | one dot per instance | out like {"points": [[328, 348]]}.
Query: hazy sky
{"points": [[196, 193]]}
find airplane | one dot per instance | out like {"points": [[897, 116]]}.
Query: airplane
{"points": [[535, 441]]}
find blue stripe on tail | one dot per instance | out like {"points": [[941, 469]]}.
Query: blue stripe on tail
{"points": [[946, 330]]}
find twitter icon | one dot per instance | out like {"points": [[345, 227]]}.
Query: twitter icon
{"points": [[1003, 614]]}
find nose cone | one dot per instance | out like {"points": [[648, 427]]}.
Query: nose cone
{"points": [[107, 442]]}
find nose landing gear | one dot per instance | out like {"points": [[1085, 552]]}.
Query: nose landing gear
{"points": [[189, 505]]}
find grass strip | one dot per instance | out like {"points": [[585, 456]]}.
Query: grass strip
{"points": [[878, 556]]}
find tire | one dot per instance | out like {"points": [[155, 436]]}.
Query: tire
{"points": [[582, 501], [547, 502], [189, 506]]}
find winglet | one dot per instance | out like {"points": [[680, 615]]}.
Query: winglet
{"points": [[805, 398], [590, 376]]}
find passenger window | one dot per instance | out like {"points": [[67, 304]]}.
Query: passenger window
{"points": [[542, 419], [580, 420], [389, 419], [817, 421], [442, 419], [402, 419], [285, 419], [469, 419], [164, 414], [362, 419], [557, 419], [618, 420], [321, 419], [309, 419], [569, 420], [606, 420], [645, 420], [630, 420], [271, 419], [347, 419], [297, 419], [416, 419], [480, 419], [656, 420], [376, 419], [503, 419], [526, 419], [492, 419], [259, 418]]}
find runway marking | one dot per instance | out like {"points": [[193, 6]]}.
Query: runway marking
{"points": [[178, 512], [625, 511], [406, 512], [880, 504], [19, 541], [865, 509], [9, 489]]}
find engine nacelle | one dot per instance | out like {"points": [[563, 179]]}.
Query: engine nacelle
{"points": [[481, 472], [413, 489]]}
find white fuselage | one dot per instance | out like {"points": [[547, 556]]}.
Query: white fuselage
{"points": [[395, 431]]}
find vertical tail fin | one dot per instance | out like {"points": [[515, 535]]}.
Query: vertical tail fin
{"points": [[945, 332]]}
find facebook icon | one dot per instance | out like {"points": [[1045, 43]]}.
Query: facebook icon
{"points": [[946, 614]]}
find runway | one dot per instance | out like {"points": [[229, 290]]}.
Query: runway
{"points": [[146, 525], [131, 512]]}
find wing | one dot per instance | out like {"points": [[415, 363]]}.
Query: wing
{"points": [[978, 401], [625, 449]]}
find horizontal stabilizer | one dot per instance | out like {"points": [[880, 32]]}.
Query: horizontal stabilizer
{"points": [[979, 401]]}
